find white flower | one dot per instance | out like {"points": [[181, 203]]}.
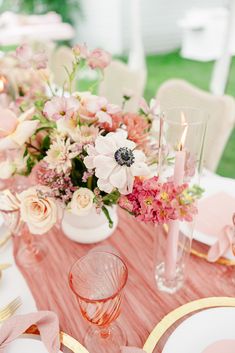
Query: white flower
{"points": [[7, 169], [60, 154], [23, 130], [82, 201], [38, 210], [116, 162]]}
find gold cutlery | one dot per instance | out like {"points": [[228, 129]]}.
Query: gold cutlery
{"points": [[10, 309]]}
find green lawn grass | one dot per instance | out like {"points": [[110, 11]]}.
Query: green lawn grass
{"points": [[167, 66]]}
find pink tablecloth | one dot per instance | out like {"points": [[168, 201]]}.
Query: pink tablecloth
{"points": [[143, 305]]}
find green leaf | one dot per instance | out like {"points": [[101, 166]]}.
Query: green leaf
{"points": [[106, 212], [43, 128], [46, 143], [30, 164], [111, 198], [25, 153]]}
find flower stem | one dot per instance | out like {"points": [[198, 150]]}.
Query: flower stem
{"points": [[89, 182]]}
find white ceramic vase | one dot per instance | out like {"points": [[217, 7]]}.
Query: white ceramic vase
{"points": [[91, 228]]}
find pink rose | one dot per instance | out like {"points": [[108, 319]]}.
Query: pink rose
{"points": [[99, 59]]}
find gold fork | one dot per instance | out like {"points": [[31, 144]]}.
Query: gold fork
{"points": [[10, 308]]}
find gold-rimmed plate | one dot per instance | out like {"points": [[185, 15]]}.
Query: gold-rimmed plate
{"points": [[173, 317]]}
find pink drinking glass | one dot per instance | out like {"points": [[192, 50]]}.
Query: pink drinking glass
{"points": [[30, 251], [98, 280]]}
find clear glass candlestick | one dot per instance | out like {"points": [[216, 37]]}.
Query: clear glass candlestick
{"points": [[98, 280], [181, 143]]}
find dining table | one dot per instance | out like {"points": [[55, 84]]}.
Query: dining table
{"points": [[45, 286]]}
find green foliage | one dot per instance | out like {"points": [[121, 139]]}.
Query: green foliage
{"points": [[29, 164], [106, 212], [78, 169], [67, 9], [111, 198], [46, 143]]}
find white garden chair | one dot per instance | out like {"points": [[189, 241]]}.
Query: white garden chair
{"points": [[221, 110], [119, 79]]}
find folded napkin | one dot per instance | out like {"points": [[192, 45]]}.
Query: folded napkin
{"points": [[131, 350], [215, 212], [223, 244], [46, 322], [215, 219]]}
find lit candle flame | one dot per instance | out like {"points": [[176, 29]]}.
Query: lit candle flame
{"points": [[3, 82], [184, 134]]}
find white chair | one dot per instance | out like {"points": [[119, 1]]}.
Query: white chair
{"points": [[221, 110], [119, 78], [61, 57]]}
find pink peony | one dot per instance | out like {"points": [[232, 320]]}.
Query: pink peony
{"points": [[61, 107], [99, 59]]}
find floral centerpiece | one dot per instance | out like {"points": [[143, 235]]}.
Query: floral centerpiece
{"points": [[83, 154]]}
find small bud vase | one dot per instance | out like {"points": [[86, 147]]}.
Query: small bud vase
{"points": [[91, 228]]}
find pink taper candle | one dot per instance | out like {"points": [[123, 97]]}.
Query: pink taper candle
{"points": [[173, 226]]}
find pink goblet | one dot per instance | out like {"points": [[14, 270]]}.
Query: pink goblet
{"points": [[98, 280]]}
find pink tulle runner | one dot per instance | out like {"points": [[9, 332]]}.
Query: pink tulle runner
{"points": [[143, 306]]}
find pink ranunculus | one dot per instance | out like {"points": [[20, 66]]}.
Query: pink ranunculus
{"points": [[99, 59], [81, 51], [61, 107]]}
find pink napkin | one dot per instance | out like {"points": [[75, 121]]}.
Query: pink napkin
{"points": [[222, 245], [214, 213], [223, 346], [131, 350], [215, 219], [46, 322]]}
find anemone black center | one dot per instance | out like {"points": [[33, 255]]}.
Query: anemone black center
{"points": [[124, 156]]}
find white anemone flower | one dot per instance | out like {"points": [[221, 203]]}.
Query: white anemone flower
{"points": [[116, 162]]}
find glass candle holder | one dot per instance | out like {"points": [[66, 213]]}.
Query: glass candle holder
{"points": [[181, 142], [98, 280]]}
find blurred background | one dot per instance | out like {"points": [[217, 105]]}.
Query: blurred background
{"points": [[157, 40]]}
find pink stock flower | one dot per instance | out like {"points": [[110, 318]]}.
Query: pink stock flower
{"points": [[99, 59], [152, 201], [61, 107], [81, 51], [137, 128], [27, 58]]}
